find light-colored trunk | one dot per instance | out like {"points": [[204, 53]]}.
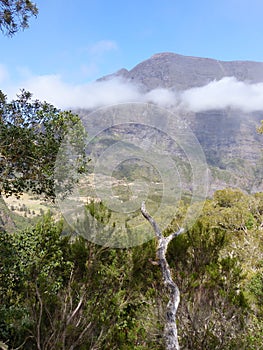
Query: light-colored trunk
{"points": [[170, 329]]}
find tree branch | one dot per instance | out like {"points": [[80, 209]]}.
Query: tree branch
{"points": [[39, 317], [151, 220], [170, 329]]}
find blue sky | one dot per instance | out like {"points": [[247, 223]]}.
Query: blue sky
{"points": [[82, 40]]}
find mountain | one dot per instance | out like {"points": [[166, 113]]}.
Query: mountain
{"points": [[173, 71], [228, 136]]}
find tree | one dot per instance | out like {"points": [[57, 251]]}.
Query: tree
{"points": [[260, 128], [15, 14], [31, 133], [170, 330], [63, 292], [211, 312], [214, 263]]}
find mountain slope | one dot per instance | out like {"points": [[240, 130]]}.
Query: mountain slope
{"points": [[227, 135], [173, 71]]}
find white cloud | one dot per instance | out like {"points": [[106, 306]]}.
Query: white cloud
{"points": [[63, 95], [103, 46], [227, 92], [91, 95], [162, 97]]}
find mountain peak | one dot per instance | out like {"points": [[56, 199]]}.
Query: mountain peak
{"points": [[164, 54], [174, 71]]}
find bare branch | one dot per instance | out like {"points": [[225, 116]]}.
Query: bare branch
{"points": [[170, 329], [151, 220], [73, 346], [39, 318], [174, 234], [76, 309]]}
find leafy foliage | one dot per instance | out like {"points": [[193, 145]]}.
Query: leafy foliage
{"points": [[30, 136], [61, 291], [214, 262], [15, 14]]}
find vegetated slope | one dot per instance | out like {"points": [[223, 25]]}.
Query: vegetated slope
{"points": [[10, 221]]}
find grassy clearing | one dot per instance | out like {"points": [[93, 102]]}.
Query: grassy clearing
{"points": [[27, 205]]}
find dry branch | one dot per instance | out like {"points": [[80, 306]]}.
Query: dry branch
{"points": [[170, 329]]}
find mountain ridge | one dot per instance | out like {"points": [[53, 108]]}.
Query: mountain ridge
{"points": [[179, 72]]}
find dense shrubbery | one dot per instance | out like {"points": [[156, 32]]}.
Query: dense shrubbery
{"points": [[63, 292]]}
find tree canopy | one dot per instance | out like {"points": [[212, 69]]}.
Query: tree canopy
{"points": [[31, 133], [15, 14]]}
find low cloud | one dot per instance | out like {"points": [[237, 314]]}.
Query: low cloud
{"points": [[162, 97], [97, 94], [53, 89], [227, 92]]}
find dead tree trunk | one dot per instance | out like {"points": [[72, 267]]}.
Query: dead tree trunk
{"points": [[170, 329]]}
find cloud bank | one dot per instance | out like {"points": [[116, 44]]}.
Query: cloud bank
{"points": [[53, 89], [225, 93]]}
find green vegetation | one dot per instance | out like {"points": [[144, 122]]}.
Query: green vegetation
{"points": [[31, 133], [15, 14], [63, 292]]}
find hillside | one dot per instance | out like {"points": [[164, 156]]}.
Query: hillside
{"points": [[227, 135]]}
